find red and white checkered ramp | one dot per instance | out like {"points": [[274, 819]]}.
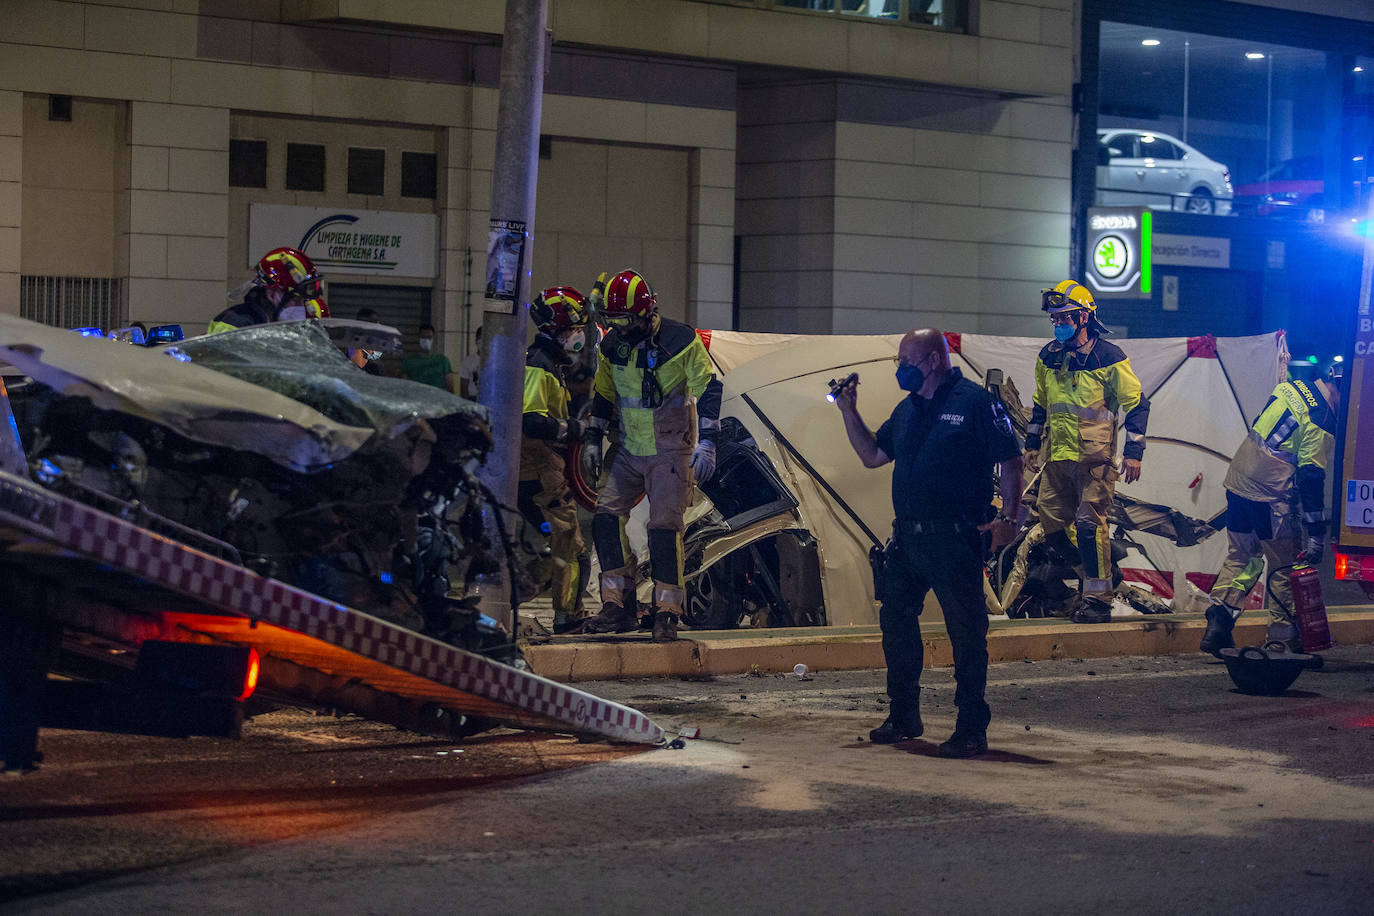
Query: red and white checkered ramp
{"points": [[374, 651]]}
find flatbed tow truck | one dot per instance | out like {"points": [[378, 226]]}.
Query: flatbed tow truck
{"points": [[111, 620]]}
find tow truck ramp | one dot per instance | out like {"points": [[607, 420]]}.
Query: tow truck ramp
{"points": [[112, 584]]}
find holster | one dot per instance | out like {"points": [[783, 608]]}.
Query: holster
{"points": [[877, 559]]}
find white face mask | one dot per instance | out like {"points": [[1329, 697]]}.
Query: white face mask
{"points": [[426, 344], [575, 341], [292, 313]]}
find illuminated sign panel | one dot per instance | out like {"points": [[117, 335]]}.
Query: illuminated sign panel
{"points": [[1119, 252]]}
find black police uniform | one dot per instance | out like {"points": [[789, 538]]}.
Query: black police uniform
{"points": [[944, 450]]}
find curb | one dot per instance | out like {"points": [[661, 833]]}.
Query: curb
{"points": [[708, 653]]}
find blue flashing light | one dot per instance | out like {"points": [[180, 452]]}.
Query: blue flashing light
{"points": [[386, 578], [89, 332], [46, 471]]}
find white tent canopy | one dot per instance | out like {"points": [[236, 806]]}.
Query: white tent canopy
{"points": [[1202, 391]]}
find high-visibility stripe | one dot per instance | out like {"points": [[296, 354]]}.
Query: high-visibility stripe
{"points": [[1278, 453], [1282, 430], [1083, 413]]}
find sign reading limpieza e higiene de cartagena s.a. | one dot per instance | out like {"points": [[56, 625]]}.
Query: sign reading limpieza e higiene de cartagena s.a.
{"points": [[342, 241]]}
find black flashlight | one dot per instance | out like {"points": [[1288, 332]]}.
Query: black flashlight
{"points": [[836, 387]]}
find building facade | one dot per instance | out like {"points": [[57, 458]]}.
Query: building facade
{"points": [[768, 165], [818, 166]]}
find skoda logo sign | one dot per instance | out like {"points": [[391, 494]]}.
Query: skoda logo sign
{"points": [[1111, 257]]}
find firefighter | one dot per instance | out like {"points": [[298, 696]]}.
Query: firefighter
{"points": [[654, 377], [560, 316], [1282, 461], [283, 276], [1081, 382]]}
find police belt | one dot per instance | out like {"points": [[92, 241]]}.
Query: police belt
{"points": [[908, 527]]}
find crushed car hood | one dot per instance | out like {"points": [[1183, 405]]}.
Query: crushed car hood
{"points": [[202, 403], [299, 360]]}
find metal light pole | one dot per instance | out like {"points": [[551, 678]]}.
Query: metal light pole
{"points": [[504, 319], [1187, 51]]}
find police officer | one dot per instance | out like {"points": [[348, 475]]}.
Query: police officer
{"points": [[1282, 460], [654, 377], [1081, 382], [944, 439], [560, 315]]}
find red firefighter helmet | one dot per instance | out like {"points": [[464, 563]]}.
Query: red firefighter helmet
{"points": [[559, 308], [628, 293], [316, 308], [290, 271]]}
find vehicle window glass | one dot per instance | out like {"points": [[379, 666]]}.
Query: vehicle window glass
{"points": [[1152, 147], [1122, 146]]}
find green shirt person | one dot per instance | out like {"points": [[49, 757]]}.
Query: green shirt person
{"points": [[428, 367]]}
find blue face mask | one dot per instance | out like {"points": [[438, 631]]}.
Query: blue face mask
{"points": [[910, 378], [1064, 332]]}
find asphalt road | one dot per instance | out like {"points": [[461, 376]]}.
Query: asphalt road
{"points": [[1124, 785]]}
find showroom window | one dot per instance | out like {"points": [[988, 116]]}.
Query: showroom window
{"points": [[1203, 124]]}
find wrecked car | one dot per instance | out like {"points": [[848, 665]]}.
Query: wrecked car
{"points": [[267, 446]]}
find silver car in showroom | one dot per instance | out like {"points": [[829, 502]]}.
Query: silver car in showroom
{"points": [[1150, 169]]}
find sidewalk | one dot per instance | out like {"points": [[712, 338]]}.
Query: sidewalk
{"points": [[712, 652]]}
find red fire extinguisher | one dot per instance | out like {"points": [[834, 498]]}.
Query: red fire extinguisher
{"points": [[1310, 609]]}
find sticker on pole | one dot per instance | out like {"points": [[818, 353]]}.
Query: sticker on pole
{"points": [[505, 263], [1359, 504]]}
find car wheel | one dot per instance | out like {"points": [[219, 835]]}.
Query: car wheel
{"points": [[711, 603], [1200, 202]]}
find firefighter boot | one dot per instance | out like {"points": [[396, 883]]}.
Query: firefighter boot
{"points": [[614, 618], [1093, 610], [1221, 620], [665, 627]]}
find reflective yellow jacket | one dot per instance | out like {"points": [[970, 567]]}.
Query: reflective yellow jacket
{"points": [[545, 414], [1077, 396], [663, 389], [1290, 441]]}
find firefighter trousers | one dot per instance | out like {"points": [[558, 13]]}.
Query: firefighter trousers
{"points": [[547, 501], [666, 480], [1078, 496], [1259, 533]]}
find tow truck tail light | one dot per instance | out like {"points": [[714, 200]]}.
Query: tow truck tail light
{"points": [[199, 668], [1352, 566], [250, 676]]}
